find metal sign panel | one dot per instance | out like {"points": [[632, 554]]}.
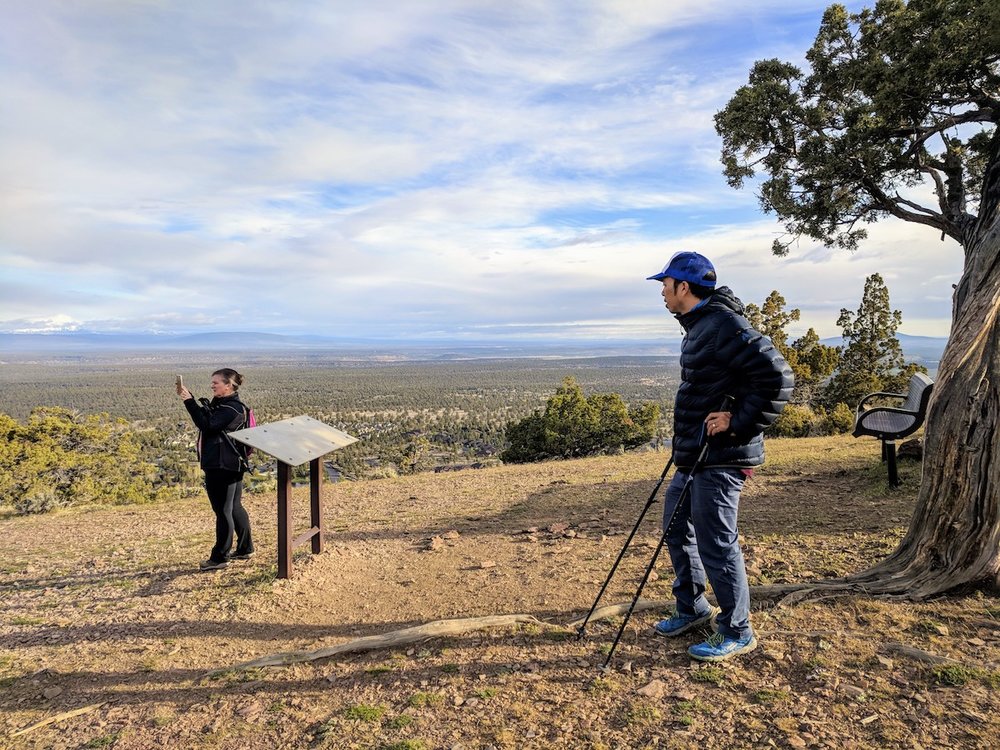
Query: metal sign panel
{"points": [[295, 440]]}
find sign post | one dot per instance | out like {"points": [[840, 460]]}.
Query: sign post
{"points": [[293, 442]]}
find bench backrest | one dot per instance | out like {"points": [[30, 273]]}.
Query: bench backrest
{"points": [[918, 395]]}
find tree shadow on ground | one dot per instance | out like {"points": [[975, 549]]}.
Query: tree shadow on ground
{"points": [[828, 502]]}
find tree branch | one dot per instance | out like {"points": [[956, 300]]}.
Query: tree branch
{"points": [[931, 219], [939, 187], [922, 134]]}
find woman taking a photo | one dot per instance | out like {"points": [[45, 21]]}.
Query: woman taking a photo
{"points": [[222, 463]]}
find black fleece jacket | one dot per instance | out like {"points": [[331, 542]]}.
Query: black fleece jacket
{"points": [[221, 415], [721, 355]]}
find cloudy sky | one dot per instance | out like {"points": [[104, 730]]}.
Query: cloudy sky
{"points": [[460, 169]]}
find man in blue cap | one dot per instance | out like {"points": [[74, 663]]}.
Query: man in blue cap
{"points": [[723, 361]]}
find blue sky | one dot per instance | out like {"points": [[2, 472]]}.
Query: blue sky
{"points": [[445, 169]]}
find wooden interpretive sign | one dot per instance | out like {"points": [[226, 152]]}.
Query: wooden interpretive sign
{"points": [[292, 442]]}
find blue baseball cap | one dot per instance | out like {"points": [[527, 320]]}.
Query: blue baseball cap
{"points": [[693, 268]]}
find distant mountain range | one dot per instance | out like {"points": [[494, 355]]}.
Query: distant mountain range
{"points": [[923, 349], [84, 343]]}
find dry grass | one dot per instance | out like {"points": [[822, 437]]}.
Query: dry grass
{"points": [[105, 605]]}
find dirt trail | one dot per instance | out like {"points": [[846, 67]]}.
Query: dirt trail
{"points": [[105, 607]]}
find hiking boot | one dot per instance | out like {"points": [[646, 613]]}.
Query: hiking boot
{"points": [[211, 564], [242, 556], [678, 623], [719, 647]]}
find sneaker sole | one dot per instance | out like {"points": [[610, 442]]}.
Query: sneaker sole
{"points": [[210, 568], [723, 657], [710, 617]]}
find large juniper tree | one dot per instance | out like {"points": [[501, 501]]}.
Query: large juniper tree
{"points": [[896, 116]]}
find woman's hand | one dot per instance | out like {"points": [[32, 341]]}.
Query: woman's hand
{"points": [[184, 393]]}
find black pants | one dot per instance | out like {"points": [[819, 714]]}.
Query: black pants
{"points": [[225, 489]]}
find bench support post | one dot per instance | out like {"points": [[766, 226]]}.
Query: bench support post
{"points": [[889, 456]]}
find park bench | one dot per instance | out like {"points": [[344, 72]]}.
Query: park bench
{"points": [[890, 423]]}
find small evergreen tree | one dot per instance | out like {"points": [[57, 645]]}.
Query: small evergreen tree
{"points": [[872, 359], [61, 458], [814, 363], [811, 361], [573, 425]]}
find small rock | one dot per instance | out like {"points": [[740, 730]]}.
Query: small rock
{"points": [[51, 692], [459, 700], [853, 690], [558, 528], [436, 543], [941, 629], [452, 534], [654, 689], [250, 709], [885, 661], [869, 719], [486, 564], [976, 642], [570, 534], [796, 741]]}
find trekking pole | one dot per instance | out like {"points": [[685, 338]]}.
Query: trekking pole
{"points": [[674, 515], [580, 631]]}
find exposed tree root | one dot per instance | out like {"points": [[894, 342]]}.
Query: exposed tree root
{"points": [[917, 654], [406, 636], [614, 610], [928, 658], [57, 717], [785, 594]]}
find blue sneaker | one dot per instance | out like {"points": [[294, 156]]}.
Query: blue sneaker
{"points": [[678, 623], [719, 647]]}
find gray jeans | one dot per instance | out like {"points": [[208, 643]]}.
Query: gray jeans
{"points": [[707, 542]]}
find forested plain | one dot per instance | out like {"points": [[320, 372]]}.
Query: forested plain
{"points": [[408, 415]]}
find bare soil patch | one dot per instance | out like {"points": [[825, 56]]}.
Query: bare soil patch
{"points": [[104, 610]]}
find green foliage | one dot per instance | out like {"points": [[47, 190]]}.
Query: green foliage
{"points": [[895, 95], [814, 362], [461, 407], [60, 458], [364, 712], [811, 361], [711, 673], [795, 421], [836, 421], [573, 425], [772, 319], [872, 359], [423, 699]]}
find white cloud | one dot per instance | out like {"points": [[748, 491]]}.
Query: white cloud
{"points": [[362, 167]]}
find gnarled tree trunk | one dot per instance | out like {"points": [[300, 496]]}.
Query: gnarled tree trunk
{"points": [[954, 535]]}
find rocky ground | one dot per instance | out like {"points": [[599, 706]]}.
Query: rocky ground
{"points": [[111, 634]]}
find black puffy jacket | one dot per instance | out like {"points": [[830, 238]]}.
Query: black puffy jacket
{"points": [[221, 415], [721, 355]]}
